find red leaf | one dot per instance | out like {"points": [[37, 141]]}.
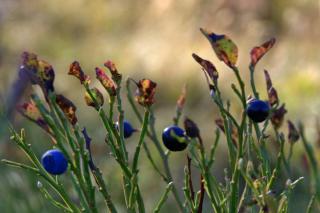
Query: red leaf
{"points": [[258, 52]]}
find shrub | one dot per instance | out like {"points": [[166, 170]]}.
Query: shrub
{"points": [[251, 174]]}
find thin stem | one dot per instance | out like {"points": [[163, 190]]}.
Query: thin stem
{"points": [[163, 198], [253, 85], [103, 189]]}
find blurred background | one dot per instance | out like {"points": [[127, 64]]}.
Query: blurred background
{"points": [[155, 39]]}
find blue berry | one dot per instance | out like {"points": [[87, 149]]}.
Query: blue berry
{"points": [[127, 129], [258, 110], [54, 162], [174, 138]]}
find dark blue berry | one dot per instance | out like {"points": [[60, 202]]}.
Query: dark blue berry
{"points": [[54, 162], [127, 129], [174, 138], [258, 110]]}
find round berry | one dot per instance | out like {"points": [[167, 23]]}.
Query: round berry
{"points": [[127, 129], [174, 138], [258, 110], [54, 162]]}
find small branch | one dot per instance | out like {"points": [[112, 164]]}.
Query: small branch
{"points": [[163, 198]]}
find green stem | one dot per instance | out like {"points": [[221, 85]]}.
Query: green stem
{"points": [[163, 198], [253, 85], [137, 154], [103, 189]]}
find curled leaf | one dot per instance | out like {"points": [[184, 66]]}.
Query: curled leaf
{"points": [[273, 96], [145, 92], [37, 71], [76, 70], [272, 92], [191, 128], [68, 108], [116, 76], [29, 66], [208, 67], [258, 52], [106, 82], [278, 116], [97, 95], [31, 112], [225, 49], [46, 74], [293, 135], [268, 79]]}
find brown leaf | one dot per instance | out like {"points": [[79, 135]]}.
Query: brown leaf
{"points": [[293, 135], [97, 96], [76, 70], [278, 116], [31, 112], [116, 76], [68, 108], [258, 52], [191, 128], [145, 92], [209, 68], [106, 82]]}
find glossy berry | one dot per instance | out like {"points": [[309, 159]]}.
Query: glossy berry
{"points": [[54, 162], [258, 110], [127, 129], [174, 139]]}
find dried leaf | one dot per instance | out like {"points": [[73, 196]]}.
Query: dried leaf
{"points": [[273, 96], [272, 92], [31, 112], [46, 74], [225, 49], [268, 79], [116, 76], [191, 128], [29, 66], [145, 92], [38, 72], [278, 116], [76, 70], [97, 96], [293, 135], [68, 108], [106, 82], [258, 52], [209, 68]]}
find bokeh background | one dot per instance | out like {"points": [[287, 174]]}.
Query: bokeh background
{"points": [[155, 39]]}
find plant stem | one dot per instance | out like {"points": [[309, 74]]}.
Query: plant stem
{"points": [[163, 198], [253, 85]]}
